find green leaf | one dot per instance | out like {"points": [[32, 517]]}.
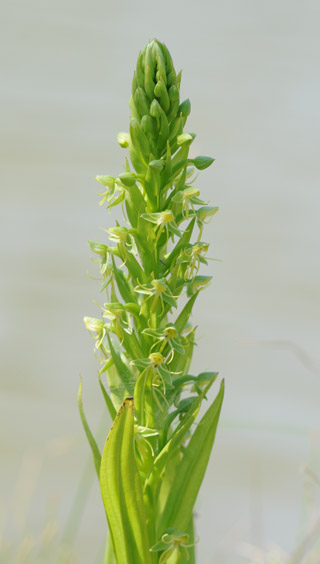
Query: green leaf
{"points": [[135, 204], [143, 397], [181, 362], [124, 286], [122, 492], [90, 437], [109, 557], [121, 381], [191, 470], [154, 482], [109, 404], [191, 550], [183, 317]]}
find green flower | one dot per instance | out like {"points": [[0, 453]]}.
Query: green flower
{"points": [[202, 215], [97, 328], [114, 195], [167, 336], [192, 256], [124, 238], [172, 542], [154, 367], [188, 197], [163, 220], [197, 283], [158, 289]]}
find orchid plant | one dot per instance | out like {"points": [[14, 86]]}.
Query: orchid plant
{"points": [[154, 458]]}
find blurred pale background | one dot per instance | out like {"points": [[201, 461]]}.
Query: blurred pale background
{"points": [[251, 71]]}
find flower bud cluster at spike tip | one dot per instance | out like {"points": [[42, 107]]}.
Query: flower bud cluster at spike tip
{"points": [[156, 114]]}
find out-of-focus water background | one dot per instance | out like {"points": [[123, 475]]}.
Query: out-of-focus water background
{"points": [[251, 71]]}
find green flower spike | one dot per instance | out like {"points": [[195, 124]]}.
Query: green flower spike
{"points": [[157, 450]]}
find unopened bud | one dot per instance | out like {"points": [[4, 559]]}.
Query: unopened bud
{"points": [[123, 139], [185, 138], [106, 180], [98, 248], [127, 178], [201, 162], [156, 165], [185, 108]]}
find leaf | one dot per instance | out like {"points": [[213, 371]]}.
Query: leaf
{"points": [[109, 404], [183, 317], [109, 557], [153, 481], [121, 381], [191, 470], [143, 397], [181, 362], [90, 437], [123, 370], [123, 284], [135, 204], [122, 492], [191, 550]]}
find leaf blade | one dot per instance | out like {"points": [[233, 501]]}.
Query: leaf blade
{"points": [[191, 470], [90, 437], [122, 491]]}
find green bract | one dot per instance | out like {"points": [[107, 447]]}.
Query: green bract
{"points": [[154, 459]]}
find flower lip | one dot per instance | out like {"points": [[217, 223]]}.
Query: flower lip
{"points": [[165, 217], [156, 358], [170, 332]]}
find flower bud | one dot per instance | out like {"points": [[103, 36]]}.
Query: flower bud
{"points": [[106, 180], [123, 139], [156, 165], [185, 108], [98, 248], [185, 138], [201, 162], [155, 93], [128, 178], [156, 359]]}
